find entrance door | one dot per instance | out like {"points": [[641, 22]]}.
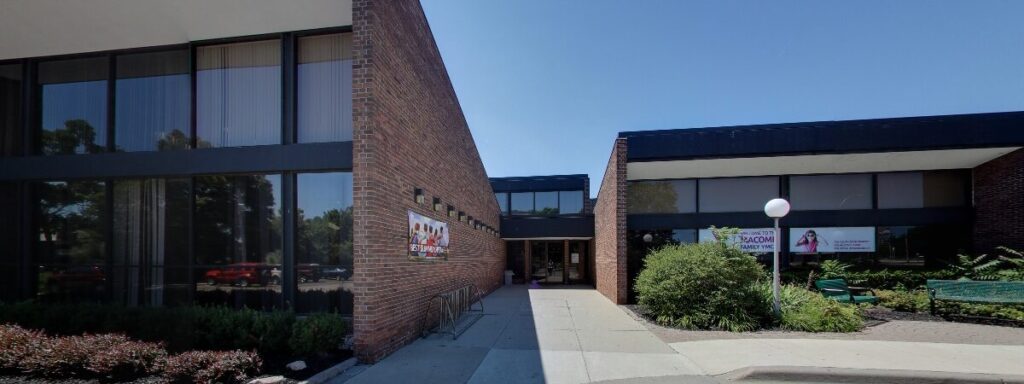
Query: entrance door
{"points": [[547, 261], [577, 261]]}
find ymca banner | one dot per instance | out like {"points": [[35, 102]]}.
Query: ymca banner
{"points": [[832, 239], [750, 240], [428, 238]]}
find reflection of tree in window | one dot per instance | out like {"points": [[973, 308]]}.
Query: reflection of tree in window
{"points": [[651, 197], [70, 222], [75, 134], [326, 239], [237, 219]]}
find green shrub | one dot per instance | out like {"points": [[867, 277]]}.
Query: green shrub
{"points": [[902, 300], [808, 311], [833, 269], [179, 328], [318, 333], [1013, 312], [707, 285]]}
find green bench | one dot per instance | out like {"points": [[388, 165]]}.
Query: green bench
{"points": [[836, 289], [991, 292]]}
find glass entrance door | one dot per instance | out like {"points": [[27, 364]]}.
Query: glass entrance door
{"points": [[547, 259]]}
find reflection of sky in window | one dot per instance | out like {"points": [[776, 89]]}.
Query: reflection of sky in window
{"points": [[325, 101], [320, 192], [85, 100], [239, 106], [149, 108]]}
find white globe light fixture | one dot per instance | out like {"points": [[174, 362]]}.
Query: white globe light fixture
{"points": [[776, 209]]}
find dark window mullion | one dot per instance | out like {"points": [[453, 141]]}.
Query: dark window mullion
{"points": [[111, 99], [288, 92], [289, 211], [192, 139]]}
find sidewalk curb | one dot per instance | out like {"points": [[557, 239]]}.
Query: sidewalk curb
{"points": [[330, 373], [851, 375]]}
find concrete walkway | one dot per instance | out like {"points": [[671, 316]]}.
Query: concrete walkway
{"points": [[547, 335], [568, 335]]}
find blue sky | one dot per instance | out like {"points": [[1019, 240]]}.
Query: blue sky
{"points": [[546, 84]]}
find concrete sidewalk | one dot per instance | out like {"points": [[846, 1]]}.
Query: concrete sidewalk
{"points": [[547, 335], [718, 357], [574, 335]]}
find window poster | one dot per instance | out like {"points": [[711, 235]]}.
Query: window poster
{"points": [[832, 239]]}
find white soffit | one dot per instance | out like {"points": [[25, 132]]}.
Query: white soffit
{"points": [[31, 28], [811, 164]]}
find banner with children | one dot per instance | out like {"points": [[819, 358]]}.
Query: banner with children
{"points": [[428, 238]]}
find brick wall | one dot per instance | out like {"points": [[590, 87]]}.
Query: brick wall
{"points": [[610, 228], [409, 132], [999, 203]]}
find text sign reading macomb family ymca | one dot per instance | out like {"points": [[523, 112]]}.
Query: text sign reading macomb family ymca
{"points": [[832, 239], [428, 238], [750, 240]]}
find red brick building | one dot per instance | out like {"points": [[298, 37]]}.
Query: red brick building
{"points": [[268, 156], [906, 192]]}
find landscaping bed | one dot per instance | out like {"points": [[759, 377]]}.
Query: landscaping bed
{"points": [[108, 343]]}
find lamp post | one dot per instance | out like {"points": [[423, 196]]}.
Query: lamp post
{"points": [[776, 209]]}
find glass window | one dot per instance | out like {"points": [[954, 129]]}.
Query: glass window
{"points": [[570, 202], [522, 203], [922, 189], [10, 237], [10, 110], [663, 196], [744, 194], [323, 246], [74, 106], [70, 240], [827, 192], [324, 89], [931, 245], [238, 230], [900, 190], [545, 203], [684, 236], [238, 94], [502, 198], [945, 188], [150, 242], [153, 97]]}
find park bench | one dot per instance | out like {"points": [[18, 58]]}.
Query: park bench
{"points": [[990, 292], [836, 289]]}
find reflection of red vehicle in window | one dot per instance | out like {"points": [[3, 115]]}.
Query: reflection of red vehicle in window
{"points": [[240, 274], [78, 276], [306, 273]]}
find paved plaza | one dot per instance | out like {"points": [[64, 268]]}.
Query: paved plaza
{"points": [[575, 335]]}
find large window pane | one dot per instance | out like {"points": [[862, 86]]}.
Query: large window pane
{"points": [[238, 230], [945, 188], [323, 249], [10, 109], [74, 106], [900, 190], [153, 100], [745, 194], [922, 189], [325, 88], [238, 92], [70, 240], [545, 203], [502, 198], [150, 241], [570, 202], [826, 192], [10, 237], [663, 196], [522, 203]]}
